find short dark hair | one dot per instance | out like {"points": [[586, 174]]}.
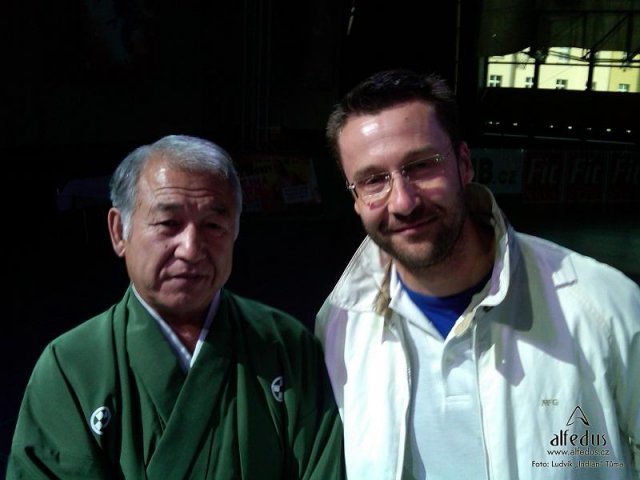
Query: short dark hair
{"points": [[388, 88]]}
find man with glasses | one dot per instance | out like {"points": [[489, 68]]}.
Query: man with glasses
{"points": [[457, 347]]}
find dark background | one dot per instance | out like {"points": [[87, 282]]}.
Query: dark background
{"points": [[86, 82]]}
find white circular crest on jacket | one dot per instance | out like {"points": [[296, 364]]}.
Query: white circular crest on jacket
{"points": [[100, 419], [277, 388]]}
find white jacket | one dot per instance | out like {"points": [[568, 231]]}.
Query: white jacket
{"points": [[555, 331]]}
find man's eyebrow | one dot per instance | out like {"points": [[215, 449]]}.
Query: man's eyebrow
{"points": [[427, 150], [367, 172], [218, 208], [166, 206]]}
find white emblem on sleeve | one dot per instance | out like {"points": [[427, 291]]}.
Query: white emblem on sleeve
{"points": [[100, 419], [277, 388]]}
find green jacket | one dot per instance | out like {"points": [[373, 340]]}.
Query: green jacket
{"points": [[108, 399]]}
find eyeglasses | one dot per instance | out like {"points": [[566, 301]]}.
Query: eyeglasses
{"points": [[374, 189]]}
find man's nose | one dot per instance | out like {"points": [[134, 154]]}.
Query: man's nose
{"points": [[190, 244], [403, 196]]}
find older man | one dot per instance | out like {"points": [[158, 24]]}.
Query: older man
{"points": [[182, 378]]}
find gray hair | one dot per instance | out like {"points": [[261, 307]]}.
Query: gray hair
{"points": [[181, 151]]}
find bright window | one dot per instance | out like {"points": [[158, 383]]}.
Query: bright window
{"points": [[495, 80], [565, 68]]}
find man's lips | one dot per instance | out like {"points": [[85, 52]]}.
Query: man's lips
{"points": [[410, 228], [187, 276]]}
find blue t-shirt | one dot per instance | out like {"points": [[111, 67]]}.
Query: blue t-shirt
{"points": [[444, 311]]}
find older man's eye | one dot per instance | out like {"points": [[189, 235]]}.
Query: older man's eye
{"points": [[167, 223]]}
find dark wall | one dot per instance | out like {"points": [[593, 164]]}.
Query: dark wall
{"points": [[122, 73]]}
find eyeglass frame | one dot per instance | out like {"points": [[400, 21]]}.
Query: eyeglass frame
{"points": [[388, 175]]}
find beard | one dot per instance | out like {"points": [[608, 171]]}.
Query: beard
{"points": [[421, 253]]}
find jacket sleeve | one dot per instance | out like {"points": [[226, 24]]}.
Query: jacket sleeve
{"points": [[626, 344], [52, 438], [630, 394], [330, 328]]}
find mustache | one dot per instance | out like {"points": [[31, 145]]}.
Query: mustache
{"points": [[398, 220]]}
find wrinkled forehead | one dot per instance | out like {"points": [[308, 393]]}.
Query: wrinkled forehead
{"points": [[161, 181], [162, 171]]}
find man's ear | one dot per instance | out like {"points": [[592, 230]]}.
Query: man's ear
{"points": [[465, 165], [114, 220], [356, 206]]}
